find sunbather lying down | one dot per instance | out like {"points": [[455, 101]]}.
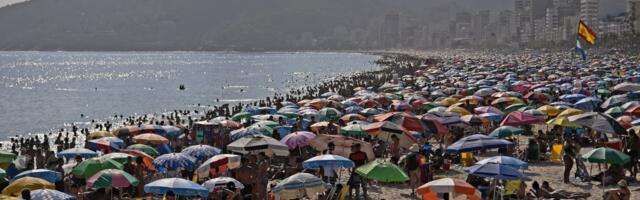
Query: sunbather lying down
{"points": [[546, 192]]}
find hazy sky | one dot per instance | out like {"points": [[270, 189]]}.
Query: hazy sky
{"points": [[607, 6]]}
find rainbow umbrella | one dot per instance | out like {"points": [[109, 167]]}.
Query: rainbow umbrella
{"points": [[112, 178]]}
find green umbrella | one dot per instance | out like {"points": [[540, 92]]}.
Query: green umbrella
{"points": [[7, 157], [505, 131], [3, 174], [353, 130], [145, 148], [112, 178], [513, 107], [240, 116], [92, 166], [329, 113], [122, 158], [382, 171], [615, 111], [606, 155]]}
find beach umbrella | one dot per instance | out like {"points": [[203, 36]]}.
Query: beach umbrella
{"points": [[450, 186], [243, 132], [328, 161], [106, 144], [154, 129], [219, 183], [634, 110], [487, 109], [491, 117], [477, 142], [353, 109], [353, 130], [518, 118], [629, 104], [589, 103], [72, 153], [48, 175], [514, 107], [151, 138], [49, 194], [505, 160], [147, 160], [29, 183], [606, 155], [299, 185], [89, 167], [322, 125], [269, 117], [127, 130], [352, 117], [459, 110], [218, 164], [615, 100], [112, 178], [99, 134], [171, 131], [549, 110], [342, 145], [329, 113], [484, 92], [178, 186], [122, 158], [383, 171], [474, 120], [297, 139], [402, 107], [445, 118], [256, 144], [615, 111], [564, 122], [144, 148], [241, 116], [598, 122], [201, 152], [627, 87], [386, 130], [226, 123], [432, 125], [570, 112], [572, 98], [6, 157], [505, 131], [448, 101], [536, 97], [471, 100], [173, 161], [370, 111], [407, 121], [496, 171], [438, 109]]}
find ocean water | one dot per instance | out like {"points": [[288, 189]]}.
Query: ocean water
{"points": [[44, 91]]}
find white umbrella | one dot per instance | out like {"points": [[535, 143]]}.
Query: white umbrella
{"points": [[231, 161], [216, 184], [299, 185], [257, 144]]}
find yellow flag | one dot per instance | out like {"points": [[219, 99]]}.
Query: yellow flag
{"points": [[586, 33]]}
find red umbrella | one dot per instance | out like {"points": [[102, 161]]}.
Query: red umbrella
{"points": [[634, 110], [536, 97], [518, 118], [403, 119]]}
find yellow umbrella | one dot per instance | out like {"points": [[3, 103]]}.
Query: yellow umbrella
{"points": [[458, 110], [564, 122], [515, 100], [473, 100], [29, 183], [570, 112], [99, 134], [549, 110], [150, 138], [448, 101], [5, 197]]}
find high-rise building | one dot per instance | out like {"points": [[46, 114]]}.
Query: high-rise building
{"points": [[552, 24], [391, 30], [633, 9], [506, 30], [589, 13], [524, 20]]}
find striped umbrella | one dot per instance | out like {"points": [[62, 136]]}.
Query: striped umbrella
{"points": [[201, 152], [150, 128], [172, 161], [299, 185], [218, 165], [407, 121], [112, 178], [89, 167], [219, 183]]}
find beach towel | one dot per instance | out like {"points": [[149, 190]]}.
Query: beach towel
{"points": [[556, 152]]}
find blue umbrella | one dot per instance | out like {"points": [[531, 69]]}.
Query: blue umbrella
{"points": [[49, 194], [327, 160], [477, 142], [588, 103], [111, 143], [497, 171], [48, 175], [174, 161], [82, 152], [353, 109], [505, 160], [494, 117], [171, 131], [572, 98], [178, 186], [243, 132], [201, 152]]}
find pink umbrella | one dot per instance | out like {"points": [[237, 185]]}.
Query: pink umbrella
{"points": [[298, 139], [518, 118]]}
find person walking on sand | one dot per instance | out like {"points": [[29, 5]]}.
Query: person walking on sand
{"points": [[356, 181], [567, 158], [412, 164]]}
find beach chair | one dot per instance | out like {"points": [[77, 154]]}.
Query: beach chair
{"points": [[556, 152], [466, 158]]}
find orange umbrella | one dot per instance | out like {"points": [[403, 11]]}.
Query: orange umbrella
{"points": [[147, 160], [448, 185], [351, 117], [150, 138]]}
